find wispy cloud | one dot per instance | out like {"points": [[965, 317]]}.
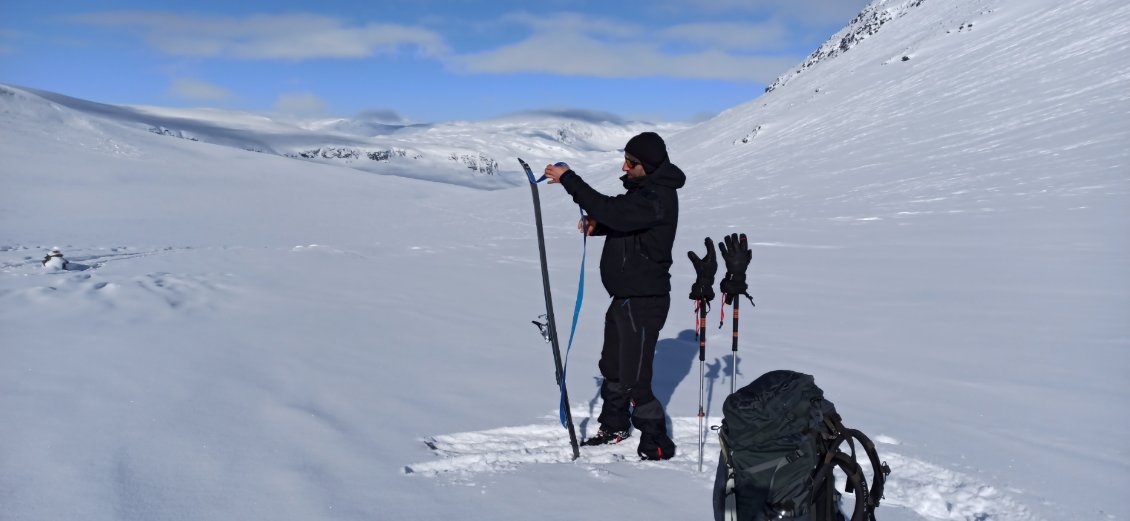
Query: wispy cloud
{"points": [[198, 90], [803, 12], [302, 104], [567, 22], [731, 36], [283, 37], [742, 36], [572, 44]]}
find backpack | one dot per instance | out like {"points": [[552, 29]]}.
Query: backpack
{"points": [[780, 446]]}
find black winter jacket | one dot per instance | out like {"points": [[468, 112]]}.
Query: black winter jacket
{"points": [[639, 226]]}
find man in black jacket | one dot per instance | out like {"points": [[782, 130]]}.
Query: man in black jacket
{"points": [[639, 229]]}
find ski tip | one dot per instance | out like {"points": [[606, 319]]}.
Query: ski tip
{"points": [[529, 172]]}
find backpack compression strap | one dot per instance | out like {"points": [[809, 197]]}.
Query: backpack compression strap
{"points": [[731, 513], [775, 465], [855, 481], [879, 470]]}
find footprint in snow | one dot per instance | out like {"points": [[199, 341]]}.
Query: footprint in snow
{"points": [[931, 491]]}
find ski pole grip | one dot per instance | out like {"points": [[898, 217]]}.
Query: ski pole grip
{"points": [[561, 163]]}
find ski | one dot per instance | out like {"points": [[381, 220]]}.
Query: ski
{"points": [[549, 329]]}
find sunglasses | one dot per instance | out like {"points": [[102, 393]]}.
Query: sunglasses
{"points": [[631, 161]]}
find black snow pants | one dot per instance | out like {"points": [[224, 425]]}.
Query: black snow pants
{"points": [[631, 330]]}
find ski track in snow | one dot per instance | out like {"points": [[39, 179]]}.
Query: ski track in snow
{"points": [[930, 490]]}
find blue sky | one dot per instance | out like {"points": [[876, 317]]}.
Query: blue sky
{"points": [[416, 60]]}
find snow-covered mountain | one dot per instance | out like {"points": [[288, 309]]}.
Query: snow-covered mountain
{"points": [[941, 240], [477, 154], [866, 24]]}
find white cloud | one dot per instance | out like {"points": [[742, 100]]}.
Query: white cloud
{"points": [[583, 56], [574, 23], [731, 35], [288, 37], [562, 43], [571, 44], [300, 104], [198, 90], [805, 12], [737, 36]]}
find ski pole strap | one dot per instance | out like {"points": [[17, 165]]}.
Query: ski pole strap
{"points": [[576, 311], [722, 309], [722, 312], [701, 308]]}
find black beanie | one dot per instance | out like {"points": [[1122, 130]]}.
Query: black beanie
{"points": [[649, 148]]}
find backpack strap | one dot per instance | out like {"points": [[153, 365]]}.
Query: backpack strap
{"points": [[855, 481], [731, 512], [880, 470]]}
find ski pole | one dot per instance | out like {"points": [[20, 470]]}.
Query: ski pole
{"points": [[702, 292], [737, 254], [701, 377], [734, 364]]}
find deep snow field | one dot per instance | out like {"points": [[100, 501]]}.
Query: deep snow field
{"points": [[943, 241]]}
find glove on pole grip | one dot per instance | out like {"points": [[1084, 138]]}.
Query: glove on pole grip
{"points": [[737, 255], [704, 268]]}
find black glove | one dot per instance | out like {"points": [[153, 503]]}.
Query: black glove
{"points": [[704, 269], [737, 255]]}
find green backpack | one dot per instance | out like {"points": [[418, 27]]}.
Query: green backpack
{"points": [[780, 445]]}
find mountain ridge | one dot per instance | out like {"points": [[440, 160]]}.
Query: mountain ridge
{"points": [[475, 154]]}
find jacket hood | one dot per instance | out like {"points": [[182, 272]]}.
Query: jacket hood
{"points": [[667, 175]]}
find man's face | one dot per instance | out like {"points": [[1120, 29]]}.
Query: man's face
{"points": [[633, 169]]}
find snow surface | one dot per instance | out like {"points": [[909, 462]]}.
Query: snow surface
{"points": [[941, 241]]}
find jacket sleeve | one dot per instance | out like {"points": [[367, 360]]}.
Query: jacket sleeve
{"points": [[629, 212], [599, 230]]}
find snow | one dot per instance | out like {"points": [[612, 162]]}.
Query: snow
{"points": [[941, 241]]}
